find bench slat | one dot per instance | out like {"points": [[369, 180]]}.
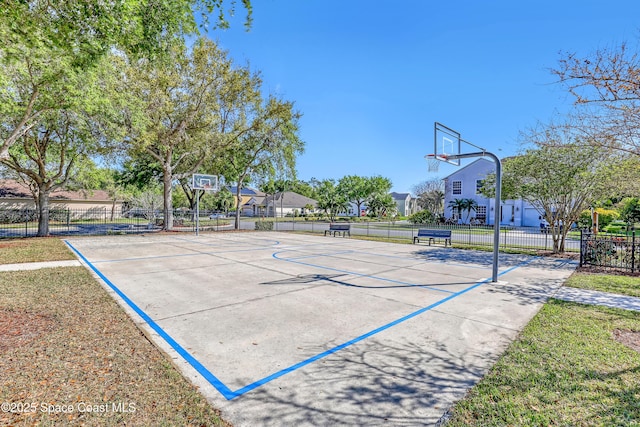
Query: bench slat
{"points": [[336, 228], [432, 235]]}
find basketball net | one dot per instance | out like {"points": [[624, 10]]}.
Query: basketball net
{"points": [[433, 163]]}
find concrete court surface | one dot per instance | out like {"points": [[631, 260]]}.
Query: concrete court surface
{"points": [[291, 329]]}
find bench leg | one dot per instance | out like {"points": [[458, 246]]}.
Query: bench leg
{"points": [[445, 242], [431, 239]]}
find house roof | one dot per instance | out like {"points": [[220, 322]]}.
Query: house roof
{"points": [[12, 189], [400, 196], [481, 159], [290, 199], [245, 191]]}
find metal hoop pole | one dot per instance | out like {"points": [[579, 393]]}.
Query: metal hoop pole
{"points": [[496, 213]]}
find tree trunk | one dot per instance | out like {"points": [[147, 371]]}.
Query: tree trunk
{"points": [[43, 212], [238, 206], [168, 203]]}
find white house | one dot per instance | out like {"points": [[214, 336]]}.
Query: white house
{"points": [[466, 182], [406, 204], [289, 203]]}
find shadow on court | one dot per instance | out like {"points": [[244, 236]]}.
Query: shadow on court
{"points": [[414, 386], [457, 256], [286, 329]]}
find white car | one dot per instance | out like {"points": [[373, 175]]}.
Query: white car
{"points": [[217, 215]]}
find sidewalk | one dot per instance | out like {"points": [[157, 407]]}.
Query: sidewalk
{"points": [[39, 265], [585, 296]]}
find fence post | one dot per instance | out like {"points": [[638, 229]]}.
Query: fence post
{"points": [[581, 246], [633, 250]]}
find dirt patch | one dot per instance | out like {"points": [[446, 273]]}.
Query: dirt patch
{"points": [[591, 269], [629, 338], [564, 255], [13, 244], [19, 328]]}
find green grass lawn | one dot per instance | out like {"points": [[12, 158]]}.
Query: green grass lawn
{"points": [[569, 365], [65, 341], [34, 250], [566, 368], [623, 285]]}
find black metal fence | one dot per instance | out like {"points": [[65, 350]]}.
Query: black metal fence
{"points": [[608, 251], [511, 238], [102, 221]]}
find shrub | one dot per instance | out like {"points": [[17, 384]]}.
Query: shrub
{"points": [[422, 217], [264, 225], [605, 217], [616, 226]]}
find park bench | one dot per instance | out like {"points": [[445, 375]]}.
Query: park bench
{"points": [[432, 235], [337, 228]]}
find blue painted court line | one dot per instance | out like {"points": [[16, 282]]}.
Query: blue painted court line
{"points": [[225, 391], [213, 380], [383, 279], [342, 346]]}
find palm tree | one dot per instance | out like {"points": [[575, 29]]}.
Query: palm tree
{"points": [[458, 205], [469, 205]]}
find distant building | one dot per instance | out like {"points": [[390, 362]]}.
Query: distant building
{"points": [[255, 203], [466, 183], [83, 203], [289, 203], [406, 205]]}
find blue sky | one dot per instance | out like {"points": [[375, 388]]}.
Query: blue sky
{"points": [[371, 77]]}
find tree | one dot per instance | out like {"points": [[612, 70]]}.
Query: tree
{"points": [[381, 204], [48, 44], [606, 84], [271, 144], [561, 181], [430, 195], [356, 189], [189, 103], [223, 200], [458, 205], [630, 210], [53, 147], [331, 199], [469, 205]]}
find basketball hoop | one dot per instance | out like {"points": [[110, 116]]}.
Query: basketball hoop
{"points": [[433, 163]]}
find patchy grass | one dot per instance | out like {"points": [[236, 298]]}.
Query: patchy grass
{"points": [[566, 368], [65, 341], [34, 250], [616, 284]]}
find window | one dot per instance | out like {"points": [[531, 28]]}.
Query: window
{"points": [[479, 184], [481, 213], [457, 188]]}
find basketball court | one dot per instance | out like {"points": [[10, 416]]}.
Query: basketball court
{"points": [[292, 329]]}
